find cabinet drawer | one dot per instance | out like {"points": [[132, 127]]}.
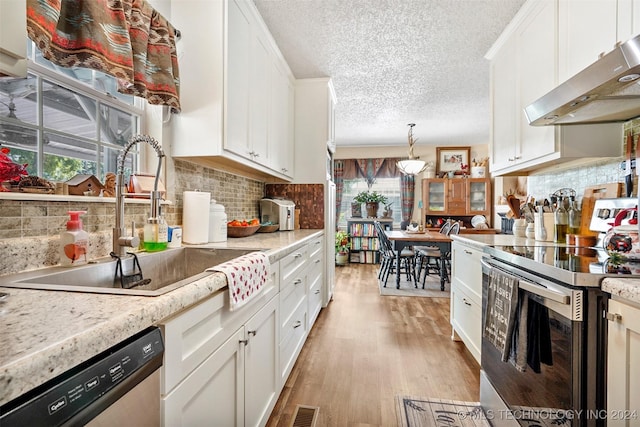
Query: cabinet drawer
{"points": [[315, 248], [191, 337], [293, 335], [467, 269], [315, 280], [293, 264], [290, 297], [466, 319]]}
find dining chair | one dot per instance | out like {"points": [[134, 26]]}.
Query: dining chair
{"points": [[389, 260], [428, 258]]}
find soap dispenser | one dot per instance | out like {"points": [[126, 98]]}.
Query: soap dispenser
{"points": [[74, 243], [156, 230]]}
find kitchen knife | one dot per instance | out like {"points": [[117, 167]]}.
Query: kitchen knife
{"points": [[628, 179]]}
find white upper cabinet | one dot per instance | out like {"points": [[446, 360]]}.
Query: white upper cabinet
{"points": [[525, 65], [235, 110], [13, 38], [628, 19], [280, 142], [587, 29], [504, 149], [315, 102], [537, 57]]}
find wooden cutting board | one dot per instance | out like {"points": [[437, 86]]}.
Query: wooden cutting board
{"points": [[591, 194]]}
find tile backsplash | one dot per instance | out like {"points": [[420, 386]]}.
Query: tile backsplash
{"points": [[30, 229], [598, 172]]}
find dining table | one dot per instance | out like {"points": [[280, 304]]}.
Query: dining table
{"points": [[403, 238]]}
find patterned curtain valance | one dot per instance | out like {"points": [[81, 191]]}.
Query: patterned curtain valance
{"points": [[127, 39], [370, 169]]}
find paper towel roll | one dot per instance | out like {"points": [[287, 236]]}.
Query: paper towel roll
{"points": [[195, 217]]}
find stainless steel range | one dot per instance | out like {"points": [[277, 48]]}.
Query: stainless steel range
{"points": [[544, 332]]}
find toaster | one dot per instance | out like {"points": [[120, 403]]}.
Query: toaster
{"points": [[278, 211]]}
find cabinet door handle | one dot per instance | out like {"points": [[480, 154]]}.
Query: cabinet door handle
{"points": [[614, 317], [298, 255], [468, 252], [252, 333], [317, 291], [297, 281], [317, 261], [245, 342], [297, 324], [466, 302]]}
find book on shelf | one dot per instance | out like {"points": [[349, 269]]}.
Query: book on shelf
{"points": [[369, 257]]}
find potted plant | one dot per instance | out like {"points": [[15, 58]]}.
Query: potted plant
{"points": [[342, 247], [372, 200]]}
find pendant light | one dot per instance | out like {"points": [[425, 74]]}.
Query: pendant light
{"points": [[411, 166]]}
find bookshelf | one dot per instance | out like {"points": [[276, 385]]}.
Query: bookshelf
{"points": [[364, 240]]}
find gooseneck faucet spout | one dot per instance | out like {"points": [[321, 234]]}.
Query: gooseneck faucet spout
{"points": [[120, 239]]}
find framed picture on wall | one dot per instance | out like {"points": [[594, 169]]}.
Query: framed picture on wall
{"points": [[451, 159]]}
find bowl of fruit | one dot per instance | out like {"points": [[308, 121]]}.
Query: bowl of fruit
{"points": [[242, 228]]}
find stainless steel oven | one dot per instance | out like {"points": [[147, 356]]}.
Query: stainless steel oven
{"points": [[551, 369]]}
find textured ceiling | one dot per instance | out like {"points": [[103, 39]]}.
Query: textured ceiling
{"points": [[395, 62]]}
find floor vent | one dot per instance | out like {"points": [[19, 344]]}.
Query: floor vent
{"points": [[305, 416]]}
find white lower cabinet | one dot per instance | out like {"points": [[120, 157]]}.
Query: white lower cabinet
{"points": [[213, 394], [227, 368], [238, 384], [466, 296], [221, 367], [293, 309], [315, 279], [623, 365], [261, 362]]}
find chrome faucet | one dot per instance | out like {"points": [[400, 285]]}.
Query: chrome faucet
{"points": [[120, 239]]}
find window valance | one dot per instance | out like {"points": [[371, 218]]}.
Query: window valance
{"points": [[370, 169], [127, 39]]}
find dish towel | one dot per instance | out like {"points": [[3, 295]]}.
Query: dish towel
{"points": [[531, 339], [502, 300], [518, 352], [246, 276]]}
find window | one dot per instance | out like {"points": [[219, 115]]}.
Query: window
{"points": [[67, 121], [389, 187]]}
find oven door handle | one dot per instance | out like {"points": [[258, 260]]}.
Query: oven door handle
{"points": [[544, 292]]}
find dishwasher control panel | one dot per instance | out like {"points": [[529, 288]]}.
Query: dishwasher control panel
{"points": [[87, 389]]}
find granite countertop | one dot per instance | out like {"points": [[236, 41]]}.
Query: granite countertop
{"points": [[619, 288], [622, 289], [45, 333]]}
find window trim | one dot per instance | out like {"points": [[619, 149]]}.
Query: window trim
{"points": [[138, 107]]}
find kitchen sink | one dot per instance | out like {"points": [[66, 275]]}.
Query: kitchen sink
{"points": [[158, 272]]}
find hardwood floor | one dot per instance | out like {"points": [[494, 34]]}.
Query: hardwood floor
{"points": [[365, 349]]}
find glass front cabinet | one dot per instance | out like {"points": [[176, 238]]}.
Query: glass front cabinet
{"points": [[434, 194], [479, 196], [456, 197]]}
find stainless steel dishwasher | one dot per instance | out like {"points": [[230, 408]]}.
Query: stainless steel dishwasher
{"points": [[120, 386]]}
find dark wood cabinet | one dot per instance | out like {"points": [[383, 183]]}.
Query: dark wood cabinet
{"points": [[456, 197]]}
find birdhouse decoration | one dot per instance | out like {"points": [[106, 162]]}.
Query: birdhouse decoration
{"points": [[85, 185]]}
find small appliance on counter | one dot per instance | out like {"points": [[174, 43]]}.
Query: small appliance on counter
{"points": [[278, 211]]}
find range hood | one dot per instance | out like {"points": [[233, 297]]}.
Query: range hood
{"points": [[604, 92]]}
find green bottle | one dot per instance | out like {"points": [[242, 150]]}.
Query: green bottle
{"points": [[561, 223]]}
